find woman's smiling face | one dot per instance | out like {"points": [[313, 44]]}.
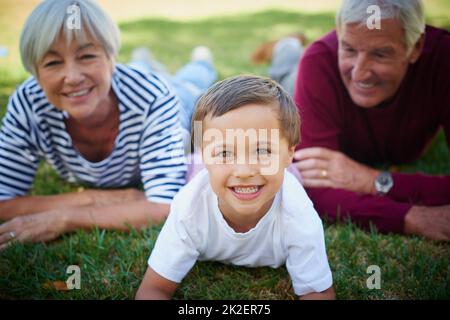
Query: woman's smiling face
{"points": [[76, 77]]}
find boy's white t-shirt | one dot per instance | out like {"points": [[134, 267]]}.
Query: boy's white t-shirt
{"points": [[291, 232]]}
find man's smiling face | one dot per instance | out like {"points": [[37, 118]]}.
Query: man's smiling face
{"points": [[373, 62]]}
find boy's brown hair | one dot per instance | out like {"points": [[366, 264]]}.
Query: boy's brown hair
{"points": [[238, 91]]}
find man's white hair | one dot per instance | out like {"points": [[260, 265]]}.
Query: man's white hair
{"points": [[409, 12], [49, 19]]}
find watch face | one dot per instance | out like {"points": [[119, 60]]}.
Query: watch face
{"points": [[383, 179], [384, 182]]}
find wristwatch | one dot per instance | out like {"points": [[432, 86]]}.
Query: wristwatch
{"points": [[384, 183]]}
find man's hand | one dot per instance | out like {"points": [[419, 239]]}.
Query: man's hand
{"points": [[430, 222], [321, 167]]}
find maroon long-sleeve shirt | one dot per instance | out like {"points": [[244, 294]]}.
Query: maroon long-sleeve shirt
{"points": [[397, 132]]}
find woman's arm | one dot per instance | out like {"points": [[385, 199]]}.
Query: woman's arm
{"points": [[155, 287], [136, 214], [48, 225], [26, 205]]}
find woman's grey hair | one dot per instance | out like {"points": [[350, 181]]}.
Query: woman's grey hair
{"points": [[53, 17], [409, 12]]}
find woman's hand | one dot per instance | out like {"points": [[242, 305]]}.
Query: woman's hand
{"points": [[39, 227], [321, 167]]}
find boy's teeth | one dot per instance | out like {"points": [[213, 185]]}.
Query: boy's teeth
{"points": [[366, 85], [245, 189], [78, 93]]}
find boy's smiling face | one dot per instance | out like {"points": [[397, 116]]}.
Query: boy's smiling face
{"points": [[239, 167]]}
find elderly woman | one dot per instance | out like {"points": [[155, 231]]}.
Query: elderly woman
{"points": [[94, 121]]}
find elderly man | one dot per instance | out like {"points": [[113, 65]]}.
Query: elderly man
{"points": [[372, 94]]}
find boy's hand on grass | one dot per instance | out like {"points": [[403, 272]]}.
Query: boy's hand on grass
{"points": [[155, 287], [39, 227], [324, 295]]}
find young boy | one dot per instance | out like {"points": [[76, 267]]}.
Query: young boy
{"points": [[246, 211]]}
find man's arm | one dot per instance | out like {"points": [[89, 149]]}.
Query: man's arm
{"points": [[155, 287], [325, 168], [384, 213]]}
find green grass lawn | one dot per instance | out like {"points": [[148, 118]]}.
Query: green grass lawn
{"points": [[112, 263]]}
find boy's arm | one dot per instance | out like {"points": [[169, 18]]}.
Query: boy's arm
{"points": [[324, 295], [155, 287]]}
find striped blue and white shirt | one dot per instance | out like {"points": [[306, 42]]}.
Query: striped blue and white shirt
{"points": [[148, 147]]}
